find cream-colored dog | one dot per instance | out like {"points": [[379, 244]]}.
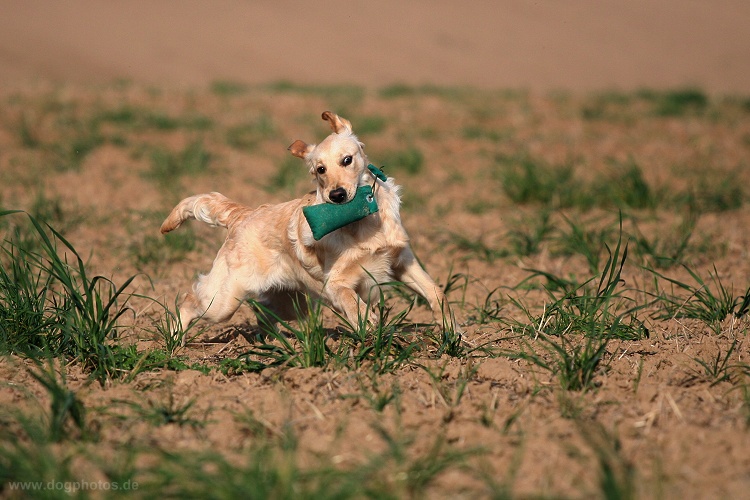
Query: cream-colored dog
{"points": [[271, 256]]}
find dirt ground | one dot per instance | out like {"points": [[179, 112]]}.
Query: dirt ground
{"points": [[112, 112], [90, 159]]}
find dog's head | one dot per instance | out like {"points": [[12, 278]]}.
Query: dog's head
{"points": [[338, 163]]}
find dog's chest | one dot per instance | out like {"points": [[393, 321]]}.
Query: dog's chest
{"points": [[377, 267], [354, 264]]}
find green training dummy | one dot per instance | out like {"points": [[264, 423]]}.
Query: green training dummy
{"points": [[328, 217]]}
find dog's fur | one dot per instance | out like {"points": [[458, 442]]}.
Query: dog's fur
{"points": [[270, 254]]}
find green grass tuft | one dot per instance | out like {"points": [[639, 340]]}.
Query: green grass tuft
{"points": [[409, 161], [167, 167], [72, 314], [288, 173], [525, 180], [677, 102], [703, 302], [247, 136], [226, 88], [574, 329]]}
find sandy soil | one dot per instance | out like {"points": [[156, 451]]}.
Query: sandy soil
{"points": [[584, 45]]}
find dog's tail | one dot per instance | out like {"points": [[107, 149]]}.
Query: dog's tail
{"points": [[212, 208]]}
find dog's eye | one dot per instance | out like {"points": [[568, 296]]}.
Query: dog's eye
{"points": [[346, 161], [321, 170]]}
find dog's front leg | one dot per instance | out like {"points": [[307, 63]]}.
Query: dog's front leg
{"points": [[345, 299], [409, 272]]}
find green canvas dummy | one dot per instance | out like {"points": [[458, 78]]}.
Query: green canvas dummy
{"points": [[328, 217]]}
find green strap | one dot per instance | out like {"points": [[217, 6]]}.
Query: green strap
{"points": [[377, 172]]}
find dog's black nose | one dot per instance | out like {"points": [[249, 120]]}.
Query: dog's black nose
{"points": [[337, 195]]}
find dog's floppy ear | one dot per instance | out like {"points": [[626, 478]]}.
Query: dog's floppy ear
{"points": [[338, 124], [300, 149]]}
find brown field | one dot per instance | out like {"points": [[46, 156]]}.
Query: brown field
{"points": [[514, 200]]}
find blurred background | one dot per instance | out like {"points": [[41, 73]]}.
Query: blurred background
{"points": [[541, 45]]}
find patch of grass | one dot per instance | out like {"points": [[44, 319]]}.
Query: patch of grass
{"points": [[140, 119], [168, 329], [25, 298], [575, 329], [719, 368], [194, 121], [369, 124], [525, 180], [160, 411], [478, 206], [73, 314], [703, 303], [409, 161], [47, 210], [478, 132], [27, 133], [456, 282], [477, 248], [248, 135], [400, 90], [156, 251], [240, 365], [528, 235], [69, 154], [131, 362], [66, 416], [302, 345], [27, 455], [745, 394], [676, 103], [448, 336], [606, 106], [415, 473], [376, 394], [581, 240], [449, 391], [270, 468], [489, 310], [160, 121], [669, 248], [448, 340], [227, 88], [413, 201], [337, 97], [167, 167], [719, 193], [617, 474], [575, 362], [626, 187], [382, 348], [288, 173]]}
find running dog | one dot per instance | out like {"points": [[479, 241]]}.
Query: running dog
{"points": [[270, 253]]}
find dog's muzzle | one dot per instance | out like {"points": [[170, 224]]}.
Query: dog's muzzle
{"points": [[338, 195]]}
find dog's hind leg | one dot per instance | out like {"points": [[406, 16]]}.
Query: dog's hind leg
{"points": [[215, 296]]}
